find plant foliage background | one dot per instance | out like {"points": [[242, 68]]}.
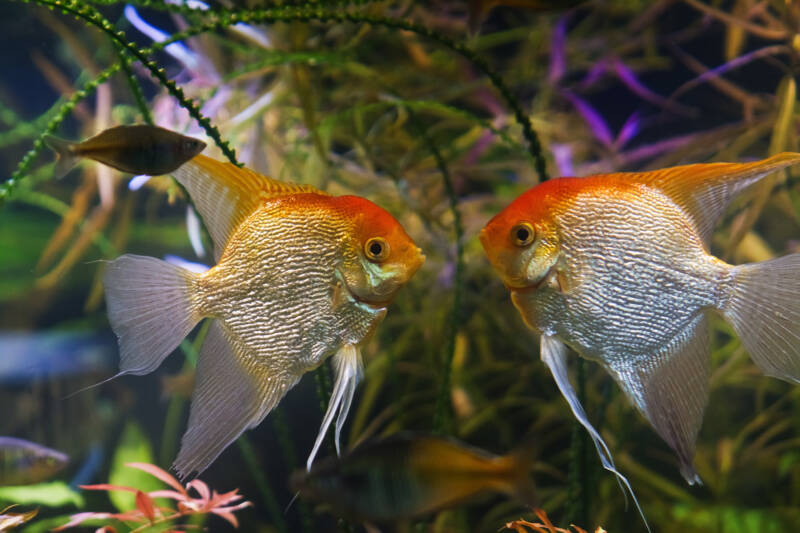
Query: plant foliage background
{"points": [[397, 102]]}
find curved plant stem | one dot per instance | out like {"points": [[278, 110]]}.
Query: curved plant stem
{"points": [[93, 17], [133, 83], [268, 495], [442, 415], [24, 165], [327, 14]]}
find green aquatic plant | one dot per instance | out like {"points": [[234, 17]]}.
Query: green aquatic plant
{"points": [[394, 101]]}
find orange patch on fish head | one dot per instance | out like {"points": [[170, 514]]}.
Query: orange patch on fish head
{"points": [[522, 241], [383, 257]]}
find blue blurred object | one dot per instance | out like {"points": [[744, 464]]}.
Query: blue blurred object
{"points": [[26, 356], [90, 467]]}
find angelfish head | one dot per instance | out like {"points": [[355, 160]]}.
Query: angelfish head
{"points": [[522, 242], [381, 257]]}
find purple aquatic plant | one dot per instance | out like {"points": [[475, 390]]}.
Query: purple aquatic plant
{"points": [[558, 54], [600, 129]]}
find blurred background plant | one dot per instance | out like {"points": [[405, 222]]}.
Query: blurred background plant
{"points": [[398, 102]]}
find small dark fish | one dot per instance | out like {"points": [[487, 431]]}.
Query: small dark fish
{"points": [[407, 475], [9, 521], [25, 463], [138, 149], [478, 10]]}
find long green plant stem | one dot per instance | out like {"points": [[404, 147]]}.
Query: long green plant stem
{"points": [[229, 18], [8, 186], [268, 495], [133, 83], [578, 476], [93, 17], [325, 14], [281, 425], [23, 167], [90, 15], [442, 416]]}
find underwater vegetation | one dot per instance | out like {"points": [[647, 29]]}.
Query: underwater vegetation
{"points": [[443, 126]]}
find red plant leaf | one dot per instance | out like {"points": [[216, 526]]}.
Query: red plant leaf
{"points": [[171, 494], [520, 526], [78, 518], [227, 516], [145, 505], [236, 507], [201, 488], [218, 500], [106, 486], [163, 475]]}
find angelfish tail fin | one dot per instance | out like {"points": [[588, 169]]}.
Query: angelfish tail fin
{"points": [[149, 308], [65, 154], [554, 355], [349, 368], [764, 309]]}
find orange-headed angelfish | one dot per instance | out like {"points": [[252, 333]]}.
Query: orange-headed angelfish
{"points": [[300, 275], [618, 268]]}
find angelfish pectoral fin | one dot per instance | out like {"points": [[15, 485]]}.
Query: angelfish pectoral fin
{"points": [[348, 368], [234, 391], [554, 355]]}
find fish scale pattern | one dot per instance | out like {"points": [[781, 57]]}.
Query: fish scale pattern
{"points": [[635, 280]]}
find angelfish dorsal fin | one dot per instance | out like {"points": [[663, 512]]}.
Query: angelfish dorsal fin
{"points": [[705, 190], [225, 194]]}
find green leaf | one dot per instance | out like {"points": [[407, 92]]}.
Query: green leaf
{"points": [[133, 448], [52, 494]]}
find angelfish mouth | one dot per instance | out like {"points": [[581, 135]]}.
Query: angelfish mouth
{"points": [[351, 294], [375, 304], [530, 287]]}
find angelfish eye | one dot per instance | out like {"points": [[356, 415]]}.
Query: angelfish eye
{"points": [[522, 234], [376, 249]]}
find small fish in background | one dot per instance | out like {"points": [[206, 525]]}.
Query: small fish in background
{"points": [[407, 475], [300, 276], [478, 10], [9, 521], [24, 463], [617, 267], [137, 149]]}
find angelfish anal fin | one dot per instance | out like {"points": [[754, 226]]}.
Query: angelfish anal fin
{"points": [[225, 195], [554, 355], [670, 388], [234, 391], [348, 368]]}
